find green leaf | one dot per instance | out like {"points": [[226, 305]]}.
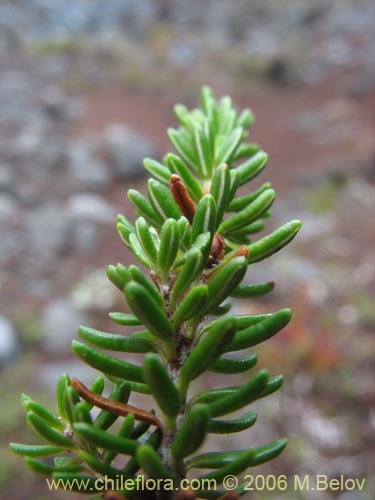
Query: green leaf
{"points": [[42, 412], [148, 311], [138, 387], [138, 251], [221, 284], [47, 432], [220, 190], [268, 452], [207, 101], [205, 217], [273, 242], [145, 239], [261, 331], [252, 167], [245, 320], [126, 430], [162, 386], [32, 450], [124, 319], [183, 147], [81, 413], [244, 232], [208, 350], [272, 386], [124, 233], [191, 305], [116, 279], [169, 246], [140, 429], [124, 228], [238, 465], [71, 398], [253, 290], [226, 115], [192, 432], [203, 152], [241, 397], [221, 310], [229, 147], [185, 117], [235, 461], [105, 440], [242, 202], [107, 364], [177, 166], [246, 149], [98, 385], [214, 394], [114, 341], [190, 272], [137, 275], [231, 426], [144, 208], [202, 243], [158, 170], [151, 463], [246, 119], [121, 393], [61, 386], [45, 469], [102, 468], [162, 201], [184, 232], [154, 440], [225, 365], [234, 183], [248, 214], [215, 460]]}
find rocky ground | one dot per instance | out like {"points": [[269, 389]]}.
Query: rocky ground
{"points": [[87, 92]]}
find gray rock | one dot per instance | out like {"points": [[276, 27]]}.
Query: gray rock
{"points": [[83, 207], [182, 54], [126, 150], [6, 177], [86, 168], [60, 321], [8, 340], [8, 207], [39, 146], [56, 105], [85, 237], [49, 230]]}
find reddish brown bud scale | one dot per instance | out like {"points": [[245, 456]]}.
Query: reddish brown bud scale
{"points": [[218, 247], [242, 251], [112, 406], [182, 198]]}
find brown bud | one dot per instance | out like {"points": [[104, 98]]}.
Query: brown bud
{"points": [[218, 247], [242, 251], [182, 198]]}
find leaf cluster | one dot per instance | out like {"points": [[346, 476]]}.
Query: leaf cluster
{"points": [[193, 237]]}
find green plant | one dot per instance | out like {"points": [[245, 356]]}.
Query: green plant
{"points": [[192, 236]]}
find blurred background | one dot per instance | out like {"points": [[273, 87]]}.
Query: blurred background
{"points": [[87, 90]]}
